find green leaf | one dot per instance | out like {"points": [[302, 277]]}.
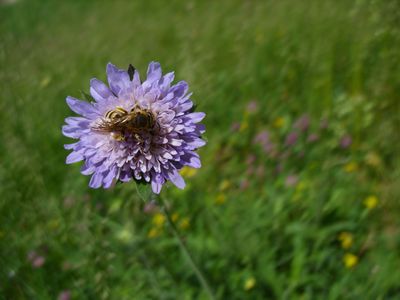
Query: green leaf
{"points": [[144, 191]]}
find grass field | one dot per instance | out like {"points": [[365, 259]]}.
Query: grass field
{"points": [[299, 193]]}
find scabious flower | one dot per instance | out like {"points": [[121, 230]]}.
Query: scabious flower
{"points": [[64, 295], [291, 139], [345, 141], [165, 139], [302, 123], [252, 106], [291, 180]]}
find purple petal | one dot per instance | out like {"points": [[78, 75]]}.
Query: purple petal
{"points": [[118, 80], [99, 91], [74, 157], [157, 183], [96, 180], [179, 89], [153, 72], [177, 179], [81, 107], [196, 117], [165, 81]]}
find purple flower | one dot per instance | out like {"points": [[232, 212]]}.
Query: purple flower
{"points": [[262, 138], [313, 137], [64, 295], [38, 261], [291, 180], [291, 138], [141, 130], [252, 106], [302, 123], [345, 141]]}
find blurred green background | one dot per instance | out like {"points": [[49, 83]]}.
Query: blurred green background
{"points": [[298, 196]]}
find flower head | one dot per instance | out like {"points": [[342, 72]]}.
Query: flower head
{"points": [[350, 260], [141, 130], [346, 239], [345, 141], [291, 139], [302, 123], [252, 106], [249, 283], [371, 202]]}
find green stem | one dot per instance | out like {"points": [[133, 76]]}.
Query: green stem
{"points": [[186, 252]]}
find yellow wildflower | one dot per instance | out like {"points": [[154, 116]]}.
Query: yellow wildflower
{"points": [[175, 217], [158, 219], [350, 167], [346, 239], [249, 283], [225, 184], [371, 202], [221, 199], [188, 172], [372, 159], [279, 122], [350, 260], [1, 234], [154, 232], [185, 223]]}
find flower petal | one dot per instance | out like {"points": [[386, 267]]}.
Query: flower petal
{"points": [[81, 107], [177, 179], [74, 157], [99, 91], [118, 80]]}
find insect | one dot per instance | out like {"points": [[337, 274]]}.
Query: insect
{"points": [[120, 123]]}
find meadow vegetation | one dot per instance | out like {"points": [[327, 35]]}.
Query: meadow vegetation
{"points": [[298, 195]]}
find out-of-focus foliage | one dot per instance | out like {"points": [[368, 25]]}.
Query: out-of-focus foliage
{"points": [[298, 196]]}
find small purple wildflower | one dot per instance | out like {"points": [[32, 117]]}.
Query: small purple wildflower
{"points": [[313, 137], [291, 180], [261, 138], [291, 139], [345, 141], [64, 295], [302, 123], [244, 184], [38, 261], [152, 156], [252, 106]]}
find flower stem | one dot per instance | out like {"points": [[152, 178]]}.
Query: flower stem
{"points": [[186, 252]]}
